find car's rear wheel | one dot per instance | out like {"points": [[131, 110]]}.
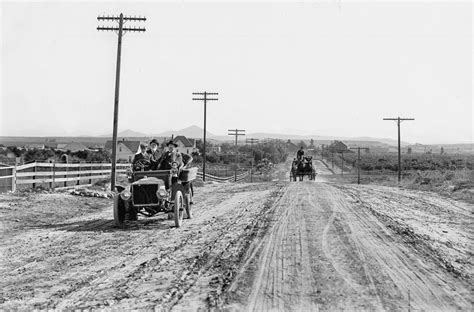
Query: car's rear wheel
{"points": [[178, 209], [119, 211], [187, 205]]}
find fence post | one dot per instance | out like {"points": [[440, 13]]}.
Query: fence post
{"points": [[90, 174], [14, 179], [54, 174], [34, 176], [67, 169], [79, 174]]}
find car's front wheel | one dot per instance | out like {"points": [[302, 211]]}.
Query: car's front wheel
{"points": [[119, 211]]}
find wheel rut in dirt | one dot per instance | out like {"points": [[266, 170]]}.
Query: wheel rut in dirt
{"points": [[323, 251]]}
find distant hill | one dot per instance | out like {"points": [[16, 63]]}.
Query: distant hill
{"points": [[325, 139], [189, 132], [127, 134]]}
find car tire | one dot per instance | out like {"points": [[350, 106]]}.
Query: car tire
{"points": [[187, 205], [132, 212], [119, 211], [178, 208]]}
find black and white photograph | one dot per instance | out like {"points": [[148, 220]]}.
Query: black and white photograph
{"points": [[187, 155]]}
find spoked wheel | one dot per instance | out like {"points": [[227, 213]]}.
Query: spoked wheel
{"points": [[187, 205], [178, 209], [119, 211]]}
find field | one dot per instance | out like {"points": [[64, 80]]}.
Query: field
{"points": [[389, 161]]}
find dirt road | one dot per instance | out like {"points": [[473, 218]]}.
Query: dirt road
{"points": [[60, 251], [325, 250], [261, 246]]}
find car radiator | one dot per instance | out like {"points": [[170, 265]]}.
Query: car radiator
{"points": [[145, 194]]}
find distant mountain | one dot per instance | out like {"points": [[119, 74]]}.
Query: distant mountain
{"points": [[128, 134], [296, 137], [196, 132], [189, 132]]}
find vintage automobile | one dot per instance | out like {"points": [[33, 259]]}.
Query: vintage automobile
{"points": [[152, 192]]}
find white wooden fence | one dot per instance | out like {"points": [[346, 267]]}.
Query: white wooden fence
{"points": [[52, 175]]}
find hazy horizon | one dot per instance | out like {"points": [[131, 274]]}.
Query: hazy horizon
{"points": [[303, 68]]}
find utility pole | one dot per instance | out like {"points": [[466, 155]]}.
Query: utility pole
{"points": [[251, 141], [399, 120], [236, 133], [120, 31], [205, 98], [358, 160]]}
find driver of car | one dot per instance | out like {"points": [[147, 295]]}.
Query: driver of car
{"points": [[141, 161]]}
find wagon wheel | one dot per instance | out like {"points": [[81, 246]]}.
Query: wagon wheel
{"points": [[119, 211], [178, 208]]}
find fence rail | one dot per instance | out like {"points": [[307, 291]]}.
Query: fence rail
{"points": [[239, 177], [52, 175]]}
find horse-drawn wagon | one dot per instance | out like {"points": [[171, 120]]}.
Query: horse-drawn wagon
{"points": [[156, 191], [302, 167]]}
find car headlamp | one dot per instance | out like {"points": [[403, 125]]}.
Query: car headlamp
{"points": [[125, 195], [161, 191]]}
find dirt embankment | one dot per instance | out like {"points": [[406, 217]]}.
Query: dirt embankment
{"points": [[63, 252]]}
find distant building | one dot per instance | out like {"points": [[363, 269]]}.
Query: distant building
{"points": [[126, 150], [216, 148], [338, 147], [73, 147], [185, 145], [33, 146], [95, 146]]}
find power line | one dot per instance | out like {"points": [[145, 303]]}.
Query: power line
{"points": [[236, 133], [120, 31], [399, 120], [205, 98], [252, 141]]}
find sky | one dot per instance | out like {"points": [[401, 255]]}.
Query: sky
{"points": [[332, 68]]}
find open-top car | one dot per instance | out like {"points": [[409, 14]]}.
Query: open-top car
{"points": [[152, 192]]}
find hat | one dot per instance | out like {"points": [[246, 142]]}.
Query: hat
{"points": [[154, 141], [170, 142]]}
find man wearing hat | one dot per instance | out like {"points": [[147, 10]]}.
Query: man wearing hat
{"points": [[155, 154], [141, 161], [171, 155]]}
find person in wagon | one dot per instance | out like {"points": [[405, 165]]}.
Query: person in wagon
{"points": [[300, 153], [141, 161]]}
